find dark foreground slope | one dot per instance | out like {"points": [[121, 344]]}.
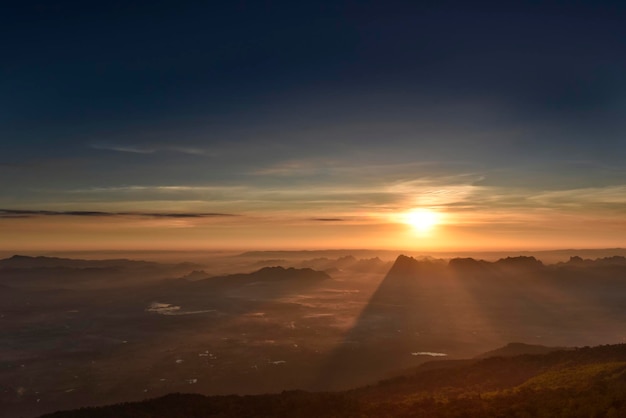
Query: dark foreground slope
{"points": [[583, 382]]}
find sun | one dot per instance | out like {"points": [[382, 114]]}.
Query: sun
{"points": [[423, 220]]}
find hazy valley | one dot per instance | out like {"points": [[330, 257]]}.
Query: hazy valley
{"points": [[90, 332]]}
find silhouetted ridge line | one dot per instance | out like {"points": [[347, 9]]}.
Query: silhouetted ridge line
{"points": [[26, 262], [276, 273], [469, 265], [281, 273], [577, 261], [405, 266], [520, 262]]}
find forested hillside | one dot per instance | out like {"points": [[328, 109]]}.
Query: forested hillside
{"points": [[585, 382]]}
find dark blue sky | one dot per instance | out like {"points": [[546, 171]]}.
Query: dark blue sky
{"points": [[79, 71], [123, 101]]}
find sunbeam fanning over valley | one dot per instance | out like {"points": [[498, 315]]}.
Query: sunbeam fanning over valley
{"points": [[312, 209]]}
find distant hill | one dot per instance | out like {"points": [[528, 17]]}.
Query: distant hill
{"points": [[53, 272], [269, 274], [196, 275], [546, 256], [581, 382], [520, 262], [577, 261], [509, 350], [347, 263], [28, 262], [518, 349], [406, 265]]}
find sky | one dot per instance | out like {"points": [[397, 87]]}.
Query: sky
{"points": [[296, 125]]}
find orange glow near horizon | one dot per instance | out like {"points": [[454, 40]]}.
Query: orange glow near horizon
{"points": [[417, 229]]}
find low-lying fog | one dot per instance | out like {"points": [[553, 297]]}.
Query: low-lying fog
{"points": [[85, 332]]}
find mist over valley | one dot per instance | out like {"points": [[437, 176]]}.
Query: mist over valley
{"points": [[78, 332]]}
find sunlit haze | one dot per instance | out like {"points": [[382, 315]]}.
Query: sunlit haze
{"points": [[423, 220]]}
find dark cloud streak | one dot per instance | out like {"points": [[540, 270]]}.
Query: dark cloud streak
{"points": [[21, 213]]}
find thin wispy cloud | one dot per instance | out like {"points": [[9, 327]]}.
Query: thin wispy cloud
{"points": [[163, 189], [142, 149], [191, 151], [351, 168], [123, 148]]}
